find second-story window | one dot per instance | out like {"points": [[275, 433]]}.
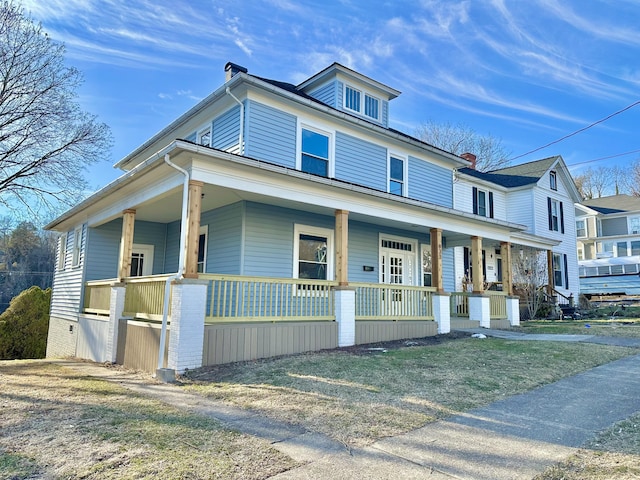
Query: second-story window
{"points": [[634, 225], [204, 137], [553, 181], [581, 230], [396, 176], [556, 215], [314, 152], [353, 100], [482, 203]]}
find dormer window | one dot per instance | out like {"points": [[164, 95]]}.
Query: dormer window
{"points": [[553, 181], [204, 137], [370, 107]]}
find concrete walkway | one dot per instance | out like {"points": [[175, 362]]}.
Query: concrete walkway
{"points": [[515, 438]]}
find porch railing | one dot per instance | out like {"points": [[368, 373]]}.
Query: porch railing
{"points": [[459, 303], [144, 297], [235, 298], [393, 302], [497, 304], [97, 297]]}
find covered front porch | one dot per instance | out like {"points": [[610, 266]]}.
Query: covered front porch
{"points": [[252, 260]]}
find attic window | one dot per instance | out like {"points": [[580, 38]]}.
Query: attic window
{"points": [[553, 181], [370, 107]]}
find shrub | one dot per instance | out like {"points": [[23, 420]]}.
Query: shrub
{"points": [[25, 324]]}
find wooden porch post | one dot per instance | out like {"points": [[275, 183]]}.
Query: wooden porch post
{"points": [[126, 243], [342, 247], [193, 229], [436, 259], [552, 283], [507, 270], [476, 254]]}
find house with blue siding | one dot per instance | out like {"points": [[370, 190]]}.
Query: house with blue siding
{"points": [[273, 219]]}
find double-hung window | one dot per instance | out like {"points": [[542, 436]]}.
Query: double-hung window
{"points": [[621, 248], [634, 225], [77, 246], [314, 153], [482, 203], [313, 253], [556, 215], [553, 181], [397, 176], [62, 251], [560, 271], [581, 230]]}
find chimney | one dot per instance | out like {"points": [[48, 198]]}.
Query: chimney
{"points": [[470, 157], [230, 69]]}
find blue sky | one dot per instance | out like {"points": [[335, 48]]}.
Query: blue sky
{"points": [[528, 72]]}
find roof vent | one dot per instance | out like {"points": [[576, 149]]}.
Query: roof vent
{"points": [[231, 69], [470, 157]]}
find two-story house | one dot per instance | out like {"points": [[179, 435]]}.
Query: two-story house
{"points": [[538, 194], [608, 245], [269, 219]]}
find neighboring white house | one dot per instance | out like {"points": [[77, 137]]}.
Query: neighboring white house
{"points": [[274, 218], [538, 194], [608, 245]]}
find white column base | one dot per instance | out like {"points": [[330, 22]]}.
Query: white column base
{"points": [[345, 304], [513, 311], [188, 308], [479, 309], [441, 311], [116, 308]]}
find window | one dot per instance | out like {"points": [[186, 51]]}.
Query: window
{"points": [[580, 254], [396, 176], [353, 101], [314, 152], [556, 215], [62, 253], [141, 260], [426, 265], [482, 203], [635, 248], [313, 253], [204, 137], [77, 246], [581, 230], [622, 249], [202, 248], [604, 249], [634, 225], [557, 269], [553, 181]]}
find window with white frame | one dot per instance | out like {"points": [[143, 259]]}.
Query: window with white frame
{"points": [[62, 251], [482, 202], [581, 229], [313, 253], [621, 248], [580, 253], [557, 269], [556, 215], [202, 248], [204, 137], [397, 175], [315, 152], [635, 247], [634, 225], [426, 265], [77, 246], [553, 181], [353, 100], [605, 249]]}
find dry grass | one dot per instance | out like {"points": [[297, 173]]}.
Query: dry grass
{"points": [[59, 424], [608, 328], [357, 399]]}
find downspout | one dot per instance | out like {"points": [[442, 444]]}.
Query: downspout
{"points": [[241, 135], [181, 258]]}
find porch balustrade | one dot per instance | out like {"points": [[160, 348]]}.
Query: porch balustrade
{"points": [[497, 305], [144, 297], [459, 302], [393, 302], [97, 297], [234, 298]]}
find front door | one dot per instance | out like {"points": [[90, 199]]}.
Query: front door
{"points": [[397, 264]]}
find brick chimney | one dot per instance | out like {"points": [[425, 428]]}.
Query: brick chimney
{"points": [[231, 69], [470, 157]]}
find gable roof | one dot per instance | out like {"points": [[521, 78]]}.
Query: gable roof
{"points": [[516, 176], [614, 204]]}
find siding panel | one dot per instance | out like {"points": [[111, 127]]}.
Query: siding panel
{"points": [[226, 129], [326, 94], [430, 183], [270, 135], [361, 162]]}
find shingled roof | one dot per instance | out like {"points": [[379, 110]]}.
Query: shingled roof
{"points": [[614, 204], [516, 176]]}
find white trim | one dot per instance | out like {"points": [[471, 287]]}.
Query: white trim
{"points": [[62, 251], [204, 230], [363, 96], [405, 171], [299, 229], [148, 251], [203, 130], [76, 249], [425, 247], [414, 271], [322, 130]]}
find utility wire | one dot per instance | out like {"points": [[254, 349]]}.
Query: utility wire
{"points": [[577, 131]]}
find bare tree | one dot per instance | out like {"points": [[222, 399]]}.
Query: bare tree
{"points": [[458, 139], [46, 140], [529, 275], [633, 179]]}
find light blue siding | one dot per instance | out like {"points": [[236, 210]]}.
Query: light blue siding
{"points": [[67, 294], [270, 134], [326, 94], [224, 241], [226, 129], [152, 233], [173, 247], [340, 95], [430, 183], [361, 162], [192, 137], [385, 113]]}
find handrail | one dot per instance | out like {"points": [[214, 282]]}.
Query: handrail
{"points": [[380, 301]]}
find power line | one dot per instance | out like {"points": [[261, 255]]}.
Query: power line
{"points": [[604, 158], [578, 131]]}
